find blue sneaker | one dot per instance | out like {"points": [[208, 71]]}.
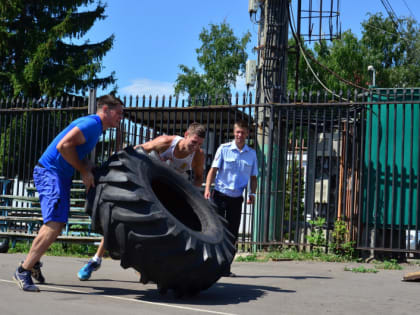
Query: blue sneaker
{"points": [[86, 271], [24, 281], [36, 272]]}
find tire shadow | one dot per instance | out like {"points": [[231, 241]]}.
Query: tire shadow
{"points": [[284, 277], [218, 294]]}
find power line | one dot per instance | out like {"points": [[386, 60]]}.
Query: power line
{"points": [[401, 36], [391, 13], [304, 54], [291, 21], [411, 12]]}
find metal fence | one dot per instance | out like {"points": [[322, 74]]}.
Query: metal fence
{"points": [[350, 158]]}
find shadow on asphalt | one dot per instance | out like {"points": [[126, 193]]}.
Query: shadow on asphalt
{"points": [[218, 294], [285, 277]]}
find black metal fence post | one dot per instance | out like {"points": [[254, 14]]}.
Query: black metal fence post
{"points": [[92, 110]]}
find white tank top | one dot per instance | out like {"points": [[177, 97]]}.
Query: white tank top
{"points": [[181, 165]]}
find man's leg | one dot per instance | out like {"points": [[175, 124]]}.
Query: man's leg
{"points": [[46, 236], [100, 252], [230, 209], [93, 264], [233, 215], [220, 201]]}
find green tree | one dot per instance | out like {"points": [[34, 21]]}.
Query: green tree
{"points": [[37, 53], [344, 57], [307, 81], [222, 57], [392, 50]]}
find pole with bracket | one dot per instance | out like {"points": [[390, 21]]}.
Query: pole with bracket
{"points": [[92, 106]]}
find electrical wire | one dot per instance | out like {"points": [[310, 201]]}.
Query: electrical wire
{"points": [[272, 58], [411, 12], [291, 21], [337, 75], [391, 13], [329, 70], [388, 32]]}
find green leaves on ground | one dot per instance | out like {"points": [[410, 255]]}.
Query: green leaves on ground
{"points": [[361, 269]]}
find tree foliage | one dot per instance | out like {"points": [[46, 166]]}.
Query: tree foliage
{"points": [[392, 50], [222, 57], [37, 56]]}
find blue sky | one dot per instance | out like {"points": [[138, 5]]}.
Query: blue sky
{"points": [[153, 37]]}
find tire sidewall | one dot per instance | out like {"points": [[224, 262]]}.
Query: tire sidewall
{"points": [[153, 169]]}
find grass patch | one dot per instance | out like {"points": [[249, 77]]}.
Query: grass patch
{"points": [[248, 258], [87, 251], [20, 247], [58, 249], [292, 254], [389, 265], [361, 269]]}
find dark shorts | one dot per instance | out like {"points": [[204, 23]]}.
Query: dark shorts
{"points": [[54, 195]]}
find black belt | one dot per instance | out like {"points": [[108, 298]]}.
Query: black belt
{"points": [[216, 192], [40, 165]]}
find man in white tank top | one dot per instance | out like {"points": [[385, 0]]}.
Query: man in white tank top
{"points": [[182, 154]]}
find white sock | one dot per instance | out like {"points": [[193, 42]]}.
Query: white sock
{"points": [[97, 259]]}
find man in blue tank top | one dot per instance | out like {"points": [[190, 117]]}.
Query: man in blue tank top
{"points": [[53, 175]]}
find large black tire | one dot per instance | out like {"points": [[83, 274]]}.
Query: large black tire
{"points": [[4, 245], [157, 222]]}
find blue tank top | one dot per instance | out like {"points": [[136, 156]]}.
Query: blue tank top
{"points": [[91, 127]]}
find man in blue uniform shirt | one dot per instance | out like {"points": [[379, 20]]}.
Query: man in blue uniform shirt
{"points": [[53, 175], [234, 165]]}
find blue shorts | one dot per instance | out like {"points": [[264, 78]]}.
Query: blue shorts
{"points": [[54, 195]]}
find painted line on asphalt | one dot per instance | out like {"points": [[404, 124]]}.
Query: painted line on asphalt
{"points": [[129, 299]]}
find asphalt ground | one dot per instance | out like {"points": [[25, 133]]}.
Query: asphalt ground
{"points": [[286, 287]]}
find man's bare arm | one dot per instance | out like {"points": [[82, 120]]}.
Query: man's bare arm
{"points": [[209, 180], [251, 195], [198, 167], [159, 144], [67, 148]]}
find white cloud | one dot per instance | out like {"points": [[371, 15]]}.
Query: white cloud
{"points": [[144, 86], [148, 87]]}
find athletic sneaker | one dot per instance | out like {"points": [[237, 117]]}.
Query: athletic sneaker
{"points": [[24, 280], [86, 271], [37, 274]]}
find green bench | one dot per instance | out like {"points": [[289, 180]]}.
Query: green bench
{"points": [[23, 221]]}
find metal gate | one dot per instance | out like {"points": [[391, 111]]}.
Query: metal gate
{"points": [[353, 159]]}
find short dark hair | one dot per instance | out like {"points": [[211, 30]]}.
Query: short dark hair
{"points": [[110, 100], [241, 124], [197, 129]]}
